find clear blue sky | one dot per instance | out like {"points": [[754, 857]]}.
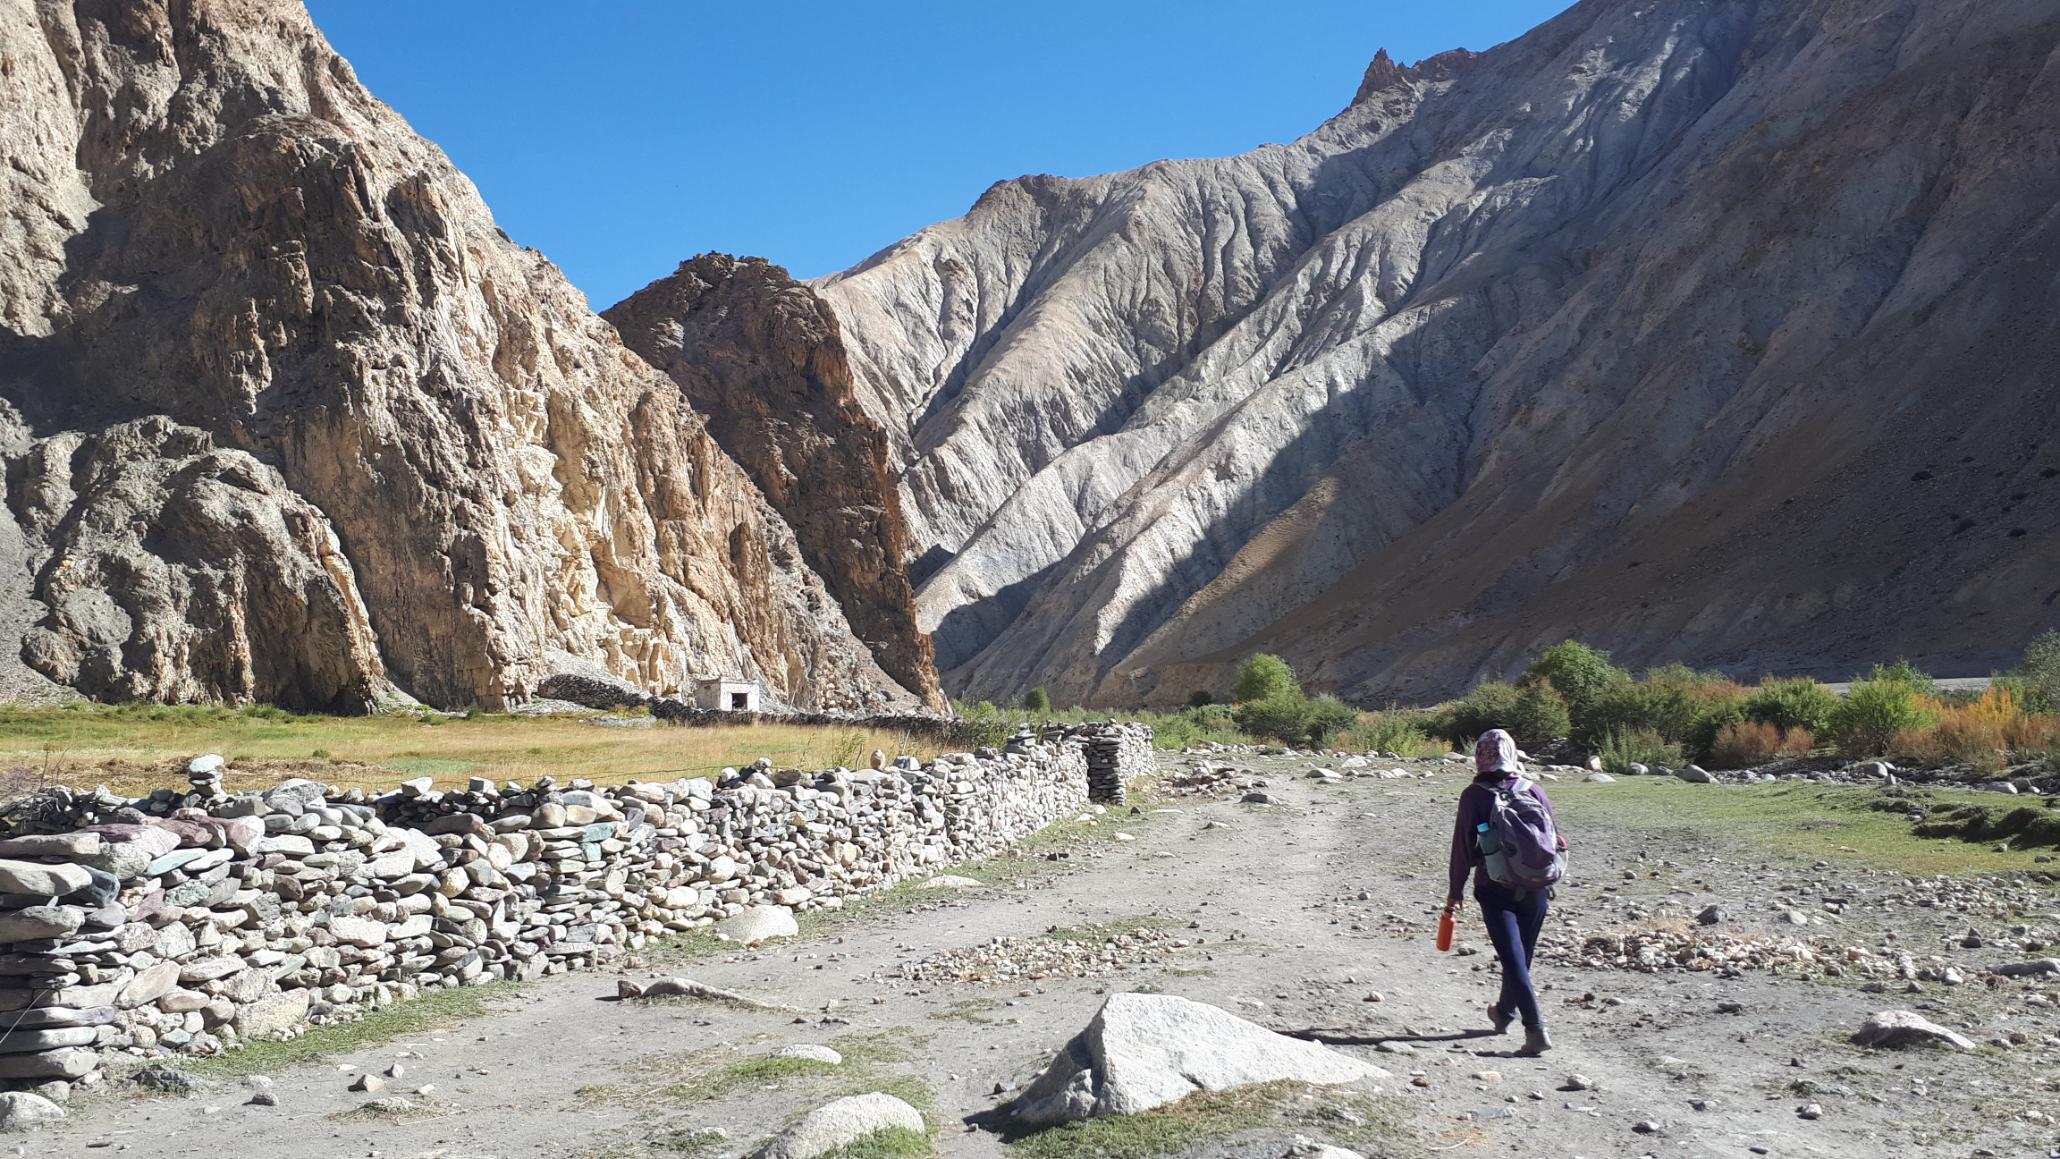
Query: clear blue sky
{"points": [[622, 136]]}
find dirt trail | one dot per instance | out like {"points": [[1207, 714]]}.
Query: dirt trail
{"points": [[1307, 907]]}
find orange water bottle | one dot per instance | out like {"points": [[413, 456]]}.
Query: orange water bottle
{"points": [[1445, 930]]}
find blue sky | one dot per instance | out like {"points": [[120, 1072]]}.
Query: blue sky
{"points": [[620, 137]]}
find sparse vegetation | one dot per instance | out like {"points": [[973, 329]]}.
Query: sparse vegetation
{"points": [[1623, 748], [1875, 712], [1037, 700], [1745, 743], [431, 1010], [1346, 1116]]}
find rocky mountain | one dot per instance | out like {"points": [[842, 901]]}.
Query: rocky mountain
{"points": [[284, 416], [761, 356], [1712, 330]]}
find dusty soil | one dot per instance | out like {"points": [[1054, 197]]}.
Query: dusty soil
{"points": [[1294, 915]]}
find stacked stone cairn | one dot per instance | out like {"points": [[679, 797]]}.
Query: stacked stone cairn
{"points": [[191, 921], [1113, 756]]}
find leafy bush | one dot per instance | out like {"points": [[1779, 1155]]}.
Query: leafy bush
{"points": [[1489, 705], [1263, 677], [1200, 698], [1798, 703], [2039, 675], [1037, 700], [1581, 675], [1667, 710], [1745, 743], [1623, 748], [1539, 716], [1981, 734], [1327, 717], [1283, 717], [1875, 712], [1906, 674], [1386, 732]]}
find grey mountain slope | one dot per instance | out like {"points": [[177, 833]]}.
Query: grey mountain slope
{"points": [[1641, 327]]}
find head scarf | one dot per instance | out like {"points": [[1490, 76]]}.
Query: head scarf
{"points": [[1495, 752]]}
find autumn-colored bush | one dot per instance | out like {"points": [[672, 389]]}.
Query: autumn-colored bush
{"points": [[1982, 734], [1745, 743]]}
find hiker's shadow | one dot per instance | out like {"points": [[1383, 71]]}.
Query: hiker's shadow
{"points": [[1359, 1038]]}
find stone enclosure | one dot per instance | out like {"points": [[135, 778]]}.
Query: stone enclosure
{"points": [[186, 922]]}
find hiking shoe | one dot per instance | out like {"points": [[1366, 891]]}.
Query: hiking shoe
{"points": [[1500, 1019], [1536, 1042]]}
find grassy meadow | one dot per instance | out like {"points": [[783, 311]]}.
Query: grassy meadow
{"points": [[134, 748]]}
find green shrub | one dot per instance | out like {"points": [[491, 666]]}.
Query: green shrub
{"points": [[1489, 705], [1786, 704], [1539, 716], [1200, 698], [1037, 700], [1710, 722], [1263, 677], [1581, 674], [1668, 710], [1866, 722], [1327, 717], [1386, 732], [2038, 678], [1283, 717], [1623, 748], [1904, 673]]}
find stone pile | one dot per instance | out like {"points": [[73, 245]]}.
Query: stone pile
{"points": [[191, 921], [1109, 753], [1008, 959]]}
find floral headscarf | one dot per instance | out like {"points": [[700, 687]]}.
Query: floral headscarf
{"points": [[1495, 752]]}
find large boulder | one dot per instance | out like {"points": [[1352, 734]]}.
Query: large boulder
{"points": [[1900, 1028], [1147, 1050], [23, 1111], [842, 1123], [759, 923]]}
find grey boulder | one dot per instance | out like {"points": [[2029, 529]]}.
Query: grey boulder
{"points": [[22, 1111], [1148, 1050], [1900, 1028], [758, 924]]}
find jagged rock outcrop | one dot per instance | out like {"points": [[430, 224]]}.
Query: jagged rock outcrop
{"points": [[295, 418], [759, 355], [1721, 332]]}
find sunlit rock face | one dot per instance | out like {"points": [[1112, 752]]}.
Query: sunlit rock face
{"points": [[1720, 332], [285, 416]]}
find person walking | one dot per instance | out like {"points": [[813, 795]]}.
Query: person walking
{"points": [[1514, 912]]}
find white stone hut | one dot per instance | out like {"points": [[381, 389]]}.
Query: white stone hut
{"points": [[728, 694]]}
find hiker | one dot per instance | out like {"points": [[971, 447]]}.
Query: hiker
{"points": [[1513, 880]]}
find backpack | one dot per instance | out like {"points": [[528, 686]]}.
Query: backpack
{"points": [[1533, 859]]}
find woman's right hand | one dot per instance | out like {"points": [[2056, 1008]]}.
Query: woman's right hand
{"points": [[1454, 904]]}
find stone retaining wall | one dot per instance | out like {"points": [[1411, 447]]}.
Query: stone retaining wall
{"points": [[190, 921]]}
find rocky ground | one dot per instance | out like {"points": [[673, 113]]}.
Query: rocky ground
{"points": [[1702, 988]]}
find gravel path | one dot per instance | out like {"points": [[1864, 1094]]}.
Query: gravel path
{"points": [[1312, 915]]}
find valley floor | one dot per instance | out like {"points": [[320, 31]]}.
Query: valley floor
{"points": [[1297, 915]]}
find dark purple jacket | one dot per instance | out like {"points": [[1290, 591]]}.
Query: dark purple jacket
{"points": [[1474, 809]]}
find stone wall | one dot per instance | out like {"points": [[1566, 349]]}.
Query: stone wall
{"points": [[190, 921]]}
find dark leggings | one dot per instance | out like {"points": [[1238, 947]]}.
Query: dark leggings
{"points": [[1513, 925]]}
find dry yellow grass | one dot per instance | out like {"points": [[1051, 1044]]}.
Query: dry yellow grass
{"points": [[133, 749]]}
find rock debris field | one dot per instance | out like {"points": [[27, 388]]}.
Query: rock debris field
{"points": [[1709, 997]]}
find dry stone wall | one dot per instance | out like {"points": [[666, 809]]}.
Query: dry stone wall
{"points": [[189, 921]]}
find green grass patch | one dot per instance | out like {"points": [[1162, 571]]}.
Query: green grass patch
{"points": [[433, 1010], [1345, 1117], [693, 1080], [892, 1143], [1833, 822]]}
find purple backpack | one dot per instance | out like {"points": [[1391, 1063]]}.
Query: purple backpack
{"points": [[1520, 823]]}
